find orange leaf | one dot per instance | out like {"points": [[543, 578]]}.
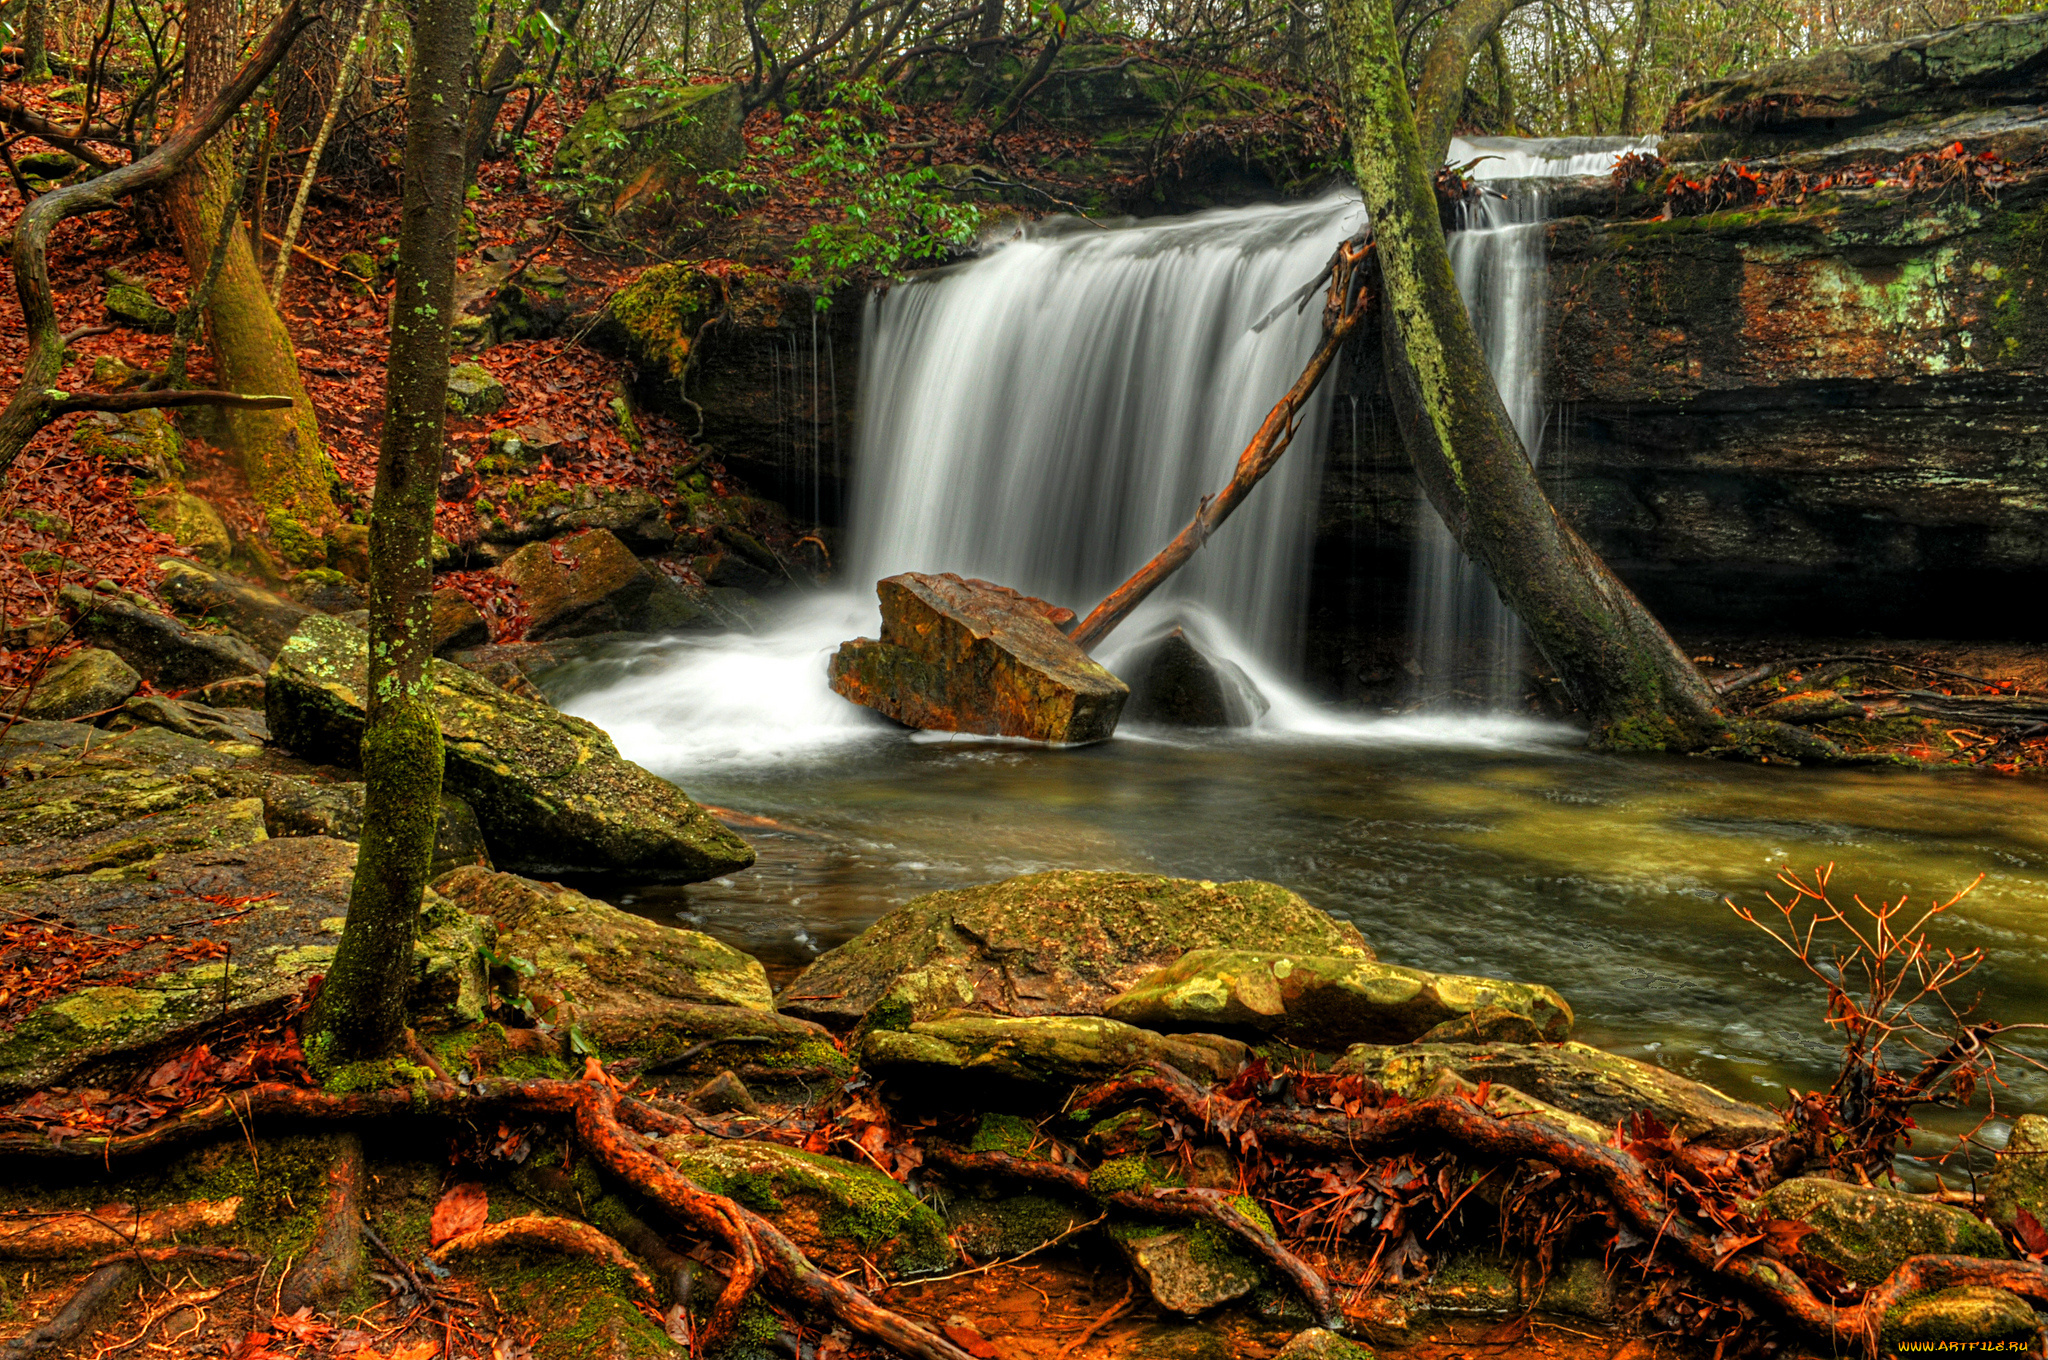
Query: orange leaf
{"points": [[426, 1350], [463, 1209]]}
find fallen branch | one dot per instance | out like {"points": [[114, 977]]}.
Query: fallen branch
{"points": [[1774, 668], [1348, 303], [36, 402]]}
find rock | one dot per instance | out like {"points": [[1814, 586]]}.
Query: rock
{"points": [[136, 443], [1012, 1224], [1867, 1231], [1601, 1088], [130, 303], [297, 892], [573, 587], [474, 391], [348, 551], [325, 590], [165, 652], [1967, 1314], [672, 606], [723, 1094], [518, 514], [835, 1211], [189, 521], [967, 656], [255, 615], [111, 373], [1317, 1344], [299, 807], [1041, 1050], [1809, 707], [637, 517], [1061, 943], [89, 680], [550, 791], [1327, 1002], [1187, 1270], [2020, 1184], [735, 571], [616, 976], [238, 691], [518, 447], [107, 821], [457, 624], [1174, 681], [645, 145], [189, 719]]}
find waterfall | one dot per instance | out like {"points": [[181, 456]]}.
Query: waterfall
{"points": [[1467, 644]]}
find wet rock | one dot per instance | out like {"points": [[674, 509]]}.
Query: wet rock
{"points": [[1328, 1002], [190, 719], [260, 618], [573, 587], [638, 518], [2020, 1184], [835, 1211], [673, 607], [130, 302], [647, 144], [1809, 707], [550, 791], [190, 521], [1042, 1050], [613, 975], [165, 652], [1173, 681], [1868, 1231], [1187, 1270], [723, 1094], [474, 391], [300, 807], [1967, 1314], [101, 821], [1600, 1088], [237, 691], [1317, 1344], [297, 892], [89, 680], [734, 571], [1061, 943], [457, 623], [1012, 1224], [967, 656]]}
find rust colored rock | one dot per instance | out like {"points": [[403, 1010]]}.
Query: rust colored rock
{"points": [[961, 655], [575, 586]]}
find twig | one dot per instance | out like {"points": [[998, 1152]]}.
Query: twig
{"points": [[1092, 1328]]}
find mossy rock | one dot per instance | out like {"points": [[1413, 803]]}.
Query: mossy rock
{"points": [[550, 791], [576, 586], [1867, 1231], [89, 680], [1066, 942], [474, 390], [660, 313], [135, 443], [1962, 1316], [836, 1211], [1329, 1002], [1042, 1050], [1187, 1270], [188, 520], [2020, 1184], [1317, 1344], [262, 619], [573, 1307], [129, 302], [164, 651]]}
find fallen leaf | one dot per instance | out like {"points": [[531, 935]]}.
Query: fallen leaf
{"points": [[462, 1209]]}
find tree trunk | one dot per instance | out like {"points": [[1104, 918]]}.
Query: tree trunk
{"points": [[502, 76], [306, 89], [1504, 84], [983, 50], [1615, 659], [361, 1009], [35, 40], [287, 466], [1441, 97], [1631, 90]]}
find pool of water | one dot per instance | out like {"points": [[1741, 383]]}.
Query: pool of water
{"points": [[1487, 846]]}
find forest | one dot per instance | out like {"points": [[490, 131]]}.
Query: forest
{"points": [[1029, 680]]}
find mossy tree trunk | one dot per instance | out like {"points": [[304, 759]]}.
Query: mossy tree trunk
{"points": [[546, 22], [1440, 98], [286, 464], [361, 1009], [1615, 659], [35, 40]]}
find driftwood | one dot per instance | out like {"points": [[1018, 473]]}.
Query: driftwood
{"points": [[1348, 302], [36, 402]]}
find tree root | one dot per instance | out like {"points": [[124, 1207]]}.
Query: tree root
{"points": [[1461, 1122], [101, 1291], [330, 1268], [547, 1230], [49, 1237], [1207, 1206]]}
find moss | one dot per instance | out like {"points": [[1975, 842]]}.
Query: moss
{"points": [[1256, 1212], [1005, 1133], [662, 311], [1124, 1173], [577, 1307], [299, 546], [368, 1074]]}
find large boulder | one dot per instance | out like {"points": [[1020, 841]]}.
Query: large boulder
{"points": [[89, 680], [1174, 682], [164, 651], [1041, 1050], [189, 520], [1060, 943], [575, 586], [255, 615], [1868, 1231], [1601, 1088], [551, 792], [2020, 1184], [966, 656], [130, 302], [632, 153], [474, 390], [1329, 1002]]}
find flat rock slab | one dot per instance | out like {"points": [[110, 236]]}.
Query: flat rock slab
{"points": [[1323, 1002], [967, 656], [1600, 1088], [255, 615], [1187, 1270], [550, 791], [1061, 943], [1043, 1050], [162, 650], [576, 586], [1961, 1316], [1868, 1231]]}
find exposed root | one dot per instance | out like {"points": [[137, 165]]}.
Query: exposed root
{"points": [[1209, 1206], [330, 1268], [52, 1236], [547, 1230], [103, 1290]]}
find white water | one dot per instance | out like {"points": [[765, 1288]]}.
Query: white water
{"points": [[1468, 644]]}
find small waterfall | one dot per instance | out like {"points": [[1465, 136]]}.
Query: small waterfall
{"points": [[1468, 645]]}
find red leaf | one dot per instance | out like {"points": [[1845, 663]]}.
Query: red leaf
{"points": [[2032, 1236], [971, 1341], [463, 1209]]}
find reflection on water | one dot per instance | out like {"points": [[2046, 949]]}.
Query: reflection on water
{"points": [[1516, 855]]}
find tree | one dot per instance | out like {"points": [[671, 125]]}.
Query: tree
{"points": [[281, 451], [1615, 659], [361, 1008], [1441, 95]]}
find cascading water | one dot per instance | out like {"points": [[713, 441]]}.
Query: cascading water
{"points": [[1468, 644]]}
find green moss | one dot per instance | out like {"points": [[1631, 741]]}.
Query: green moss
{"points": [[1005, 1133], [662, 311], [578, 1307], [1126, 1173], [299, 546]]}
